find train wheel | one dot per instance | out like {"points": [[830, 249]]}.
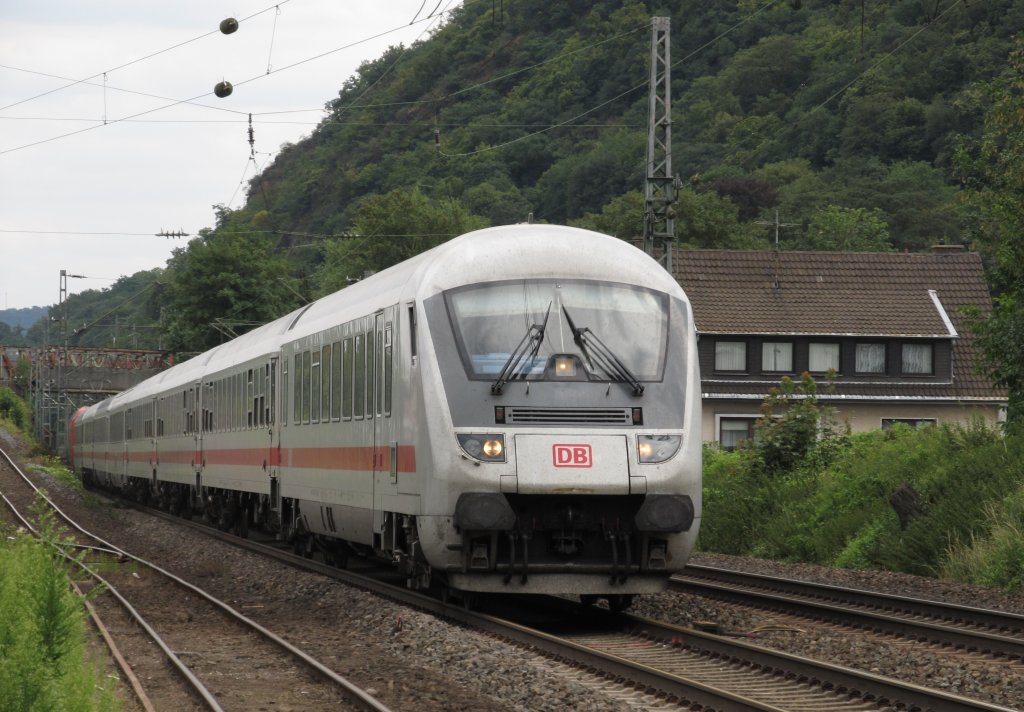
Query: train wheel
{"points": [[619, 603]]}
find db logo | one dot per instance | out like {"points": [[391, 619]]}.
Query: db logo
{"points": [[572, 456]]}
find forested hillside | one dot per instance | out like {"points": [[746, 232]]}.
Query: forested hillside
{"points": [[857, 123]]}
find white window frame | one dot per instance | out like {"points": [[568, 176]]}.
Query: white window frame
{"points": [[752, 417]]}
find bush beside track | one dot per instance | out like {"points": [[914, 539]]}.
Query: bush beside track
{"points": [[944, 501]]}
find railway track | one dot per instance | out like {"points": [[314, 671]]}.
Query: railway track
{"points": [[963, 628], [671, 666], [223, 660], [647, 664]]}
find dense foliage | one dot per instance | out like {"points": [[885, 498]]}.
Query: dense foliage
{"points": [[934, 501], [43, 665], [993, 171], [13, 409], [840, 122]]}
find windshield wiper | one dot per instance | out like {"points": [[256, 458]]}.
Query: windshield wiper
{"points": [[597, 353], [531, 342]]}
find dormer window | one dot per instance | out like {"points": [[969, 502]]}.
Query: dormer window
{"points": [[822, 357], [870, 358], [917, 359], [777, 356], [731, 356]]}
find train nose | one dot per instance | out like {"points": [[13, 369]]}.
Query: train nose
{"points": [[572, 464]]}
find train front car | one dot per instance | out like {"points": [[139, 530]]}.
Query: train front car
{"points": [[566, 441]]}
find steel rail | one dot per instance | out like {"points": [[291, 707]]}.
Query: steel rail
{"points": [[774, 664], [864, 609]]}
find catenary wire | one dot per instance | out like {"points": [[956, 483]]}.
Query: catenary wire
{"points": [[135, 61]]}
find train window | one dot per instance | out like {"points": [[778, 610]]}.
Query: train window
{"points": [[314, 391], [379, 371], [412, 334], [272, 389], [371, 374], [326, 375], [388, 369], [336, 381], [250, 396], [346, 402], [128, 428], [297, 391], [284, 390], [261, 391], [306, 365], [359, 378]]}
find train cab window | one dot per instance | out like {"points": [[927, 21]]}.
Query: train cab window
{"points": [[359, 378], [297, 390], [493, 321], [314, 388], [347, 377], [336, 381], [325, 383]]}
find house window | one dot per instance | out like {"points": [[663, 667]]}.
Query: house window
{"points": [[917, 359], [730, 356], [870, 358], [822, 357], [912, 422], [776, 356], [733, 432]]}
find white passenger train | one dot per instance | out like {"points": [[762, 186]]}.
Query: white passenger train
{"points": [[516, 410]]}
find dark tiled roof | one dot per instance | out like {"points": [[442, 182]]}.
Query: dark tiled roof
{"points": [[843, 293]]}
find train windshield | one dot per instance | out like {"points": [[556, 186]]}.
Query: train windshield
{"points": [[542, 329]]}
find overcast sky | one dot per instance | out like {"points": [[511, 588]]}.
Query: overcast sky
{"points": [[164, 169]]}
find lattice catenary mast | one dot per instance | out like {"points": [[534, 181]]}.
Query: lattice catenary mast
{"points": [[660, 186]]}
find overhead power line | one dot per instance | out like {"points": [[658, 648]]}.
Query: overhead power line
{"points": [[134, 61], [174, 103]]}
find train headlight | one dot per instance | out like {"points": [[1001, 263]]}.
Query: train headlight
{"points": [[489, 447], [657, 448], [565, 367]]}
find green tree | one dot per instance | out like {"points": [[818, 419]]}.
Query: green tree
{"points": [[389, 229], [223, 284], [848, 230], [993, 171]]}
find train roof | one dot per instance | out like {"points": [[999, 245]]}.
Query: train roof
{"points": [[507, 252]]}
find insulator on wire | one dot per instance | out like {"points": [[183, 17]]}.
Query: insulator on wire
{"points": [[228, 25], [223, 89]]}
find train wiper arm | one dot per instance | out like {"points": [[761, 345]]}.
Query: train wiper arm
{"points": [[597, 353], [531, 342]]}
